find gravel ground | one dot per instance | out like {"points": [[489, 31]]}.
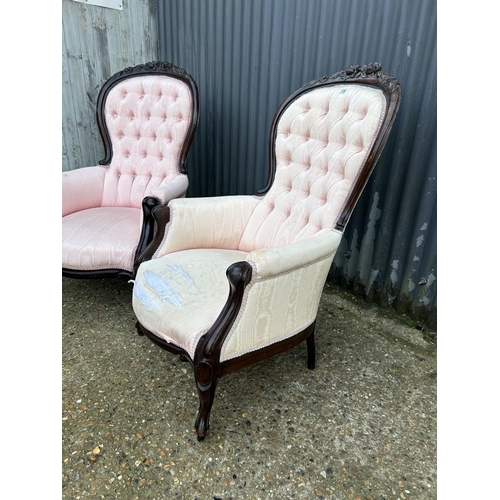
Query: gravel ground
{"points": [[361, 426]]}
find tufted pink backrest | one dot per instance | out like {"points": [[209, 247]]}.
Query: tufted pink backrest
{"points": [[322, 141], [147, 118]]}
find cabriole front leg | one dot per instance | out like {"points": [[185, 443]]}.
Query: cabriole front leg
{"points": [[206, 383]]}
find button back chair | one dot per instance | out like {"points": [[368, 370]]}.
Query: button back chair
{"points": [[147, 117], [244, 282]]}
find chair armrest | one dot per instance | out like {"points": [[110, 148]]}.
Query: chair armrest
{"points": [[170, 190], [152, 223], [269, 262], [82, 188], [212, 222], [283, 296]]}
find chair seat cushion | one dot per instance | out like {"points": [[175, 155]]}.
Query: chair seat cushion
{"points": [[179, 296], [101, 238]]}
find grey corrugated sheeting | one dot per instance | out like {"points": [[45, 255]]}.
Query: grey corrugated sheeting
{"points": [[247, 56], [98, 42]]}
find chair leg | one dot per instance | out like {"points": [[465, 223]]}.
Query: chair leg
{"points": [[202, 423], [206, 383], [138, 328], [311, 352]]}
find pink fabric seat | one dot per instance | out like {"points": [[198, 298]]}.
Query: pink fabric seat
{"points": [[97, 236], [147, 117], [244, 282]]}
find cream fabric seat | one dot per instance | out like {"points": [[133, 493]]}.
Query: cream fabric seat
{"points": [[244, 282], [147, 117], [184, 292]]}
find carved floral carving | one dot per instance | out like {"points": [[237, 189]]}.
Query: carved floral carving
{"points": [[371, 71], [152, 67]]}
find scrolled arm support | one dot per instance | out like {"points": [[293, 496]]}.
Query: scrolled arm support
{"points": [[160, 215], [239, 276], [147, 230]]}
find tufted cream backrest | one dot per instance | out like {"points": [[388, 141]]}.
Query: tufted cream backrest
{"points": [[147, 118], [322, 140]]}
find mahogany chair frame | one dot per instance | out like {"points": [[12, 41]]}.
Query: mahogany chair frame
{"points": [[207, 367], [149, 225]]}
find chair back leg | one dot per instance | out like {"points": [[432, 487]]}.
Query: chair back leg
{"points": [[311, 350]]}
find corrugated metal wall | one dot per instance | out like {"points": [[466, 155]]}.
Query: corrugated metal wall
{"points": [[248, 55], [98, 42]]}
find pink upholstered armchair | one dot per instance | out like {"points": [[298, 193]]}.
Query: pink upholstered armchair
{"points": [[245, 282], [147, 117]]}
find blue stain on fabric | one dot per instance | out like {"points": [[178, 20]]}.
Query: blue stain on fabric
{"points": [[163, 288], [183, 273], [143, 297]]}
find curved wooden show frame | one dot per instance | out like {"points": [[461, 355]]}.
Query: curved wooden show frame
{"points": [[149, 225], [208, 369]]}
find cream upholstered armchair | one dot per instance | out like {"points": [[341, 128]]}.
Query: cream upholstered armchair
{"points": [[147, 117], [244, 282]]}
